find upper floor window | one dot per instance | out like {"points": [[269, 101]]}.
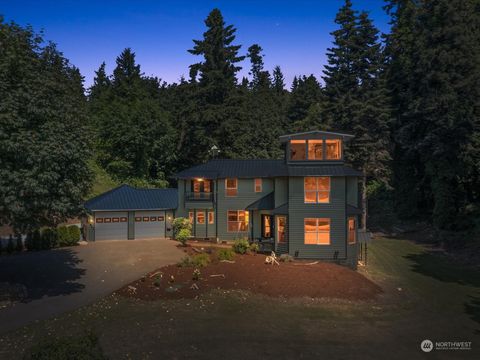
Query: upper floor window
{"points": [[315, 149], [298, 149], [316, 189], [258, 185], [333, 149], [231, 187], [201, 186], [316, 231]]}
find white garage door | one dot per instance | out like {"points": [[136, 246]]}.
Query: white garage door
{"points": [[111, 225], [149, 224]]}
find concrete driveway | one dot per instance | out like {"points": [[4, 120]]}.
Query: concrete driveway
{"points": [[60, 280]]}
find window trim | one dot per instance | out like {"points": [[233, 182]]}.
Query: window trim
{"points": [[317, 231], [317, 191], [200, 212], [354, 230], [255, 185], [247, 221], [227, 188]]}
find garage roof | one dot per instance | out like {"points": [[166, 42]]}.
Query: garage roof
{"points": [[126, 197]]}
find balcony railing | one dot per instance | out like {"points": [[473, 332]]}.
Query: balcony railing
{"points": [[199, 196]]}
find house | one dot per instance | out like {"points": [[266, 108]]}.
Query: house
{"points": [[305, 205]]}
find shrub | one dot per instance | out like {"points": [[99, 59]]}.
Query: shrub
{"points": [[18, 242], [179, 224], [254, 247], [29, 241], [74, 234], [183, 236], [286, 258], [68, 236], [241, 246], [10, 245], [225, 254], [186, 261], [72, 347], [196, 275], [157, 281], [201, 260], [49, 238], [36, 240]]}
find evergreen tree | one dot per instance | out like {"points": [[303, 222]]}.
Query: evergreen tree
{"points": [[260, 78], [305, 96], [278, 81]]}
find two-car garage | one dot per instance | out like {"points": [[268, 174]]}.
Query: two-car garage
{"points": [[127, 213]]}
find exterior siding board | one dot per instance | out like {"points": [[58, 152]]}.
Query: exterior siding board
{"points": [[352, 191], [281, 191], [335, 210]]}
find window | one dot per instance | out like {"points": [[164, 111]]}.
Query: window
{"points": [[201, 186], [153, 218], [333, 149], [237, 220], [138, 219], [231, 187], [258, 185], [211, 217], [107, 220], [190, 216], [298, 150], [351, 231], [281, 221], [161, 218], [115, 219], [146, 219], [315, 149], [123, 219], [99, 220], [317, 231], [317, 190], [200, 217]]}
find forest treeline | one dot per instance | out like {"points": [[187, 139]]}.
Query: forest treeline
{"points": [[410, 97]]}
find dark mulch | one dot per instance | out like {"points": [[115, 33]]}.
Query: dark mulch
{"points": [[250, 273]]}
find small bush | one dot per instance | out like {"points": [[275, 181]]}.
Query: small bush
{"points": [[254, 247], [84, 347], [241, 246], [201, 260], [186, 261], [63, 236], [49, 238], [196, 275], [74, 234], [285, 258], [181, 223], [10, 245], [157, 281], [18, 243], [183, 236], [225, 254]]}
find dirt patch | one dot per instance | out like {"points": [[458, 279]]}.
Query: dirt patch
{"points": [[250, 273]]}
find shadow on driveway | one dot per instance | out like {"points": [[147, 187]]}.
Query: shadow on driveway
{"points": [[43, 273]]}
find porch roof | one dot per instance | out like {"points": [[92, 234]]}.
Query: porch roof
{"points": [[265, 203]]}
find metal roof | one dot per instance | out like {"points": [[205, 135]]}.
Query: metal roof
{"points": [[225, 168], [265, 203], [281, 210], [126, 197]]}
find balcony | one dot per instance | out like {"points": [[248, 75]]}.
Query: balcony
{"points": [[199, 196]]}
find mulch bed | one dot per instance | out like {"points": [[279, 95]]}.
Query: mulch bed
{"points": [[250, 273]]}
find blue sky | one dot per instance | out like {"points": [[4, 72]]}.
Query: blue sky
{"points": [[293, 34]]}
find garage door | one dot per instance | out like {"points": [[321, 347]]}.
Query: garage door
{"points": [[149, 224], [111, 225]]}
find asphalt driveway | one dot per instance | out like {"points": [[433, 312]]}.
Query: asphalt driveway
{"points": [[55, 281]]}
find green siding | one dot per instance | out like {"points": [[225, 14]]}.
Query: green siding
{"points": [[352, 191], [335, 210], [281, 191], [281, 248]]}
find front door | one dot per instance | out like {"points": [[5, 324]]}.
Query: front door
{"points": [[267, 226]]}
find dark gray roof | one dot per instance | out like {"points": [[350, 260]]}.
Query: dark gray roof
{"points": [[264, 203], [126, 197], [281, 210], [353, 210], [224, 168]]}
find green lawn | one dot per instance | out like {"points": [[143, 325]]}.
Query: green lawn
{"points": [[426, 297]]}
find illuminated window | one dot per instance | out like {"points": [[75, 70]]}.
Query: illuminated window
{"points": [[200, 217], [316, 189], [190, 216], [281, 222], [161, 218], [258, 185], [115, 219], [237, 220], [333, 149], [315, 149], [298, 150], [211, 217], [146, 219], [317, 231], [351, 231], [99, 220], [231, 187], [123, 219], [200, 186], [138, 219]]}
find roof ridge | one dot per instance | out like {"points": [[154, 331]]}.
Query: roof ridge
{"points": [[101, 196]]}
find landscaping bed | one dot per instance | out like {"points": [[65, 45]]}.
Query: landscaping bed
{"points": [[250, 273]]}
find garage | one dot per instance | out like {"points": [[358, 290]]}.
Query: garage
{"points": [[149, 224], [111, 225], [128, 213]]}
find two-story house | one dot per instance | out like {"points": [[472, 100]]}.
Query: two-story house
{"points": [[305, 205]]}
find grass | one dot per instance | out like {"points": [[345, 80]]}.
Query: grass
{"points": [[426, 297]]}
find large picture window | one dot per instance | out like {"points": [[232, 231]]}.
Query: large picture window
{"points": [[317, 231], [316, 189], [231, 187], [298, 150], [333, 149], [237, 220], [315, 149], [352, 236]]}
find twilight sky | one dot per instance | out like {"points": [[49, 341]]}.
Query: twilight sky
{"points": [[293, 34]]}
